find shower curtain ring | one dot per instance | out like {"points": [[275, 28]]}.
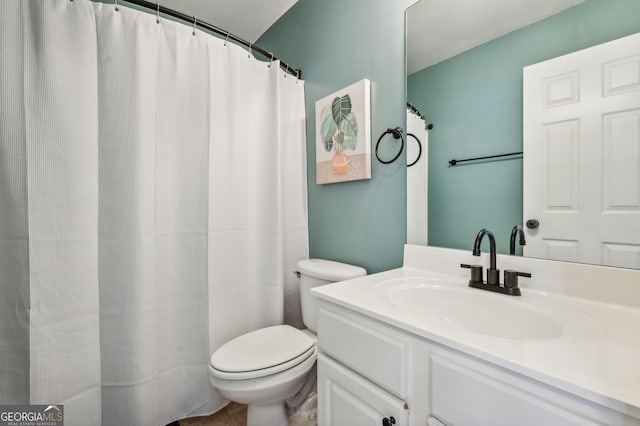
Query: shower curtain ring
{"points": [[270, 60], [226, 39], [117, 8], [157, 12], [249, 55], [195, 22]]}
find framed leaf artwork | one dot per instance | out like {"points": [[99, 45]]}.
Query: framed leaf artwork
{"points": [[343, 135]]}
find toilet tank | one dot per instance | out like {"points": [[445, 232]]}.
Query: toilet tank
{"points": [[316, 272]]}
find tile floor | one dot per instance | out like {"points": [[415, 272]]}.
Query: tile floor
{"points": [[233, 414]]}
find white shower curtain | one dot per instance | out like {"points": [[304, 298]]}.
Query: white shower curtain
{"points": [[152, 206], [417, 180]]}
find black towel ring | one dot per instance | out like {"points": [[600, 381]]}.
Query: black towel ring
{"points": [[397, 134], [419, 148]]}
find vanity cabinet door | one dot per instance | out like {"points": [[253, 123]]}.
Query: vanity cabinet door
{"points": [[346, 398]]}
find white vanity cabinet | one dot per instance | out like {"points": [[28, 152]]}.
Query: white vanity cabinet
{"points": [[369, 371], [349, 399], [363, 370]]}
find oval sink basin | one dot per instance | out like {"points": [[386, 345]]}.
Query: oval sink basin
{"points": [[478, 311]]}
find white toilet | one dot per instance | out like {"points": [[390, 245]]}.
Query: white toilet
{"points": [[266, 366]]}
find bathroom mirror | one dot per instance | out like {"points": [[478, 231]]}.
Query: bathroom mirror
{"points": [[465, 63]]}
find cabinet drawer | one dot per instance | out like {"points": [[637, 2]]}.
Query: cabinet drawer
{"points": [[367, 347], [464, 391], [347, 399]]}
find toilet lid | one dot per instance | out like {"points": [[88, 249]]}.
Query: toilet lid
{"points": [[262, 349]]}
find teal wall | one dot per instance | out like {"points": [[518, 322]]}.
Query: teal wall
{"points": [[337, 43], [474, 101]]}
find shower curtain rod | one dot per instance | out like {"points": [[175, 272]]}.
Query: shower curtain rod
{"points": [[415, 110], [156, 7], [419, 114]]}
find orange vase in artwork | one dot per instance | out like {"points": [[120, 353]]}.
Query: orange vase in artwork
{"points": [[340, 164]]}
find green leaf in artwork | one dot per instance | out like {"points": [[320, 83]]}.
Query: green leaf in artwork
{"points": [[340, 108], [350, 142], [328, 145], [349, 127], [328, 127]]}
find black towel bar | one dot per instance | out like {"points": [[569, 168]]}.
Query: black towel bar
{"points": [[454, 162]]}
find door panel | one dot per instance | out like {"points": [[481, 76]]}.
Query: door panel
{"points": [[347, 399], [582, 155]]}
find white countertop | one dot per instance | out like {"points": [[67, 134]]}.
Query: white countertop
{"points": [[597, 359]]}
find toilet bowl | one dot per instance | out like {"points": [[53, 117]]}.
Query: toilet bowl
{"points": [[264, 367], [271, 366]]}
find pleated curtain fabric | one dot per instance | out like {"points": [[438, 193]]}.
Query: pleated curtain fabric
{"points": [[152, 207]]}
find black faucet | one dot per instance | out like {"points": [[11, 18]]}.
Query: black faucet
{"points": [[510, 286], [517, 230], [493, 274]]}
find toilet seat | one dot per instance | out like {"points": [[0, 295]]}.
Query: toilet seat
{"points": [[261, 353]]}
